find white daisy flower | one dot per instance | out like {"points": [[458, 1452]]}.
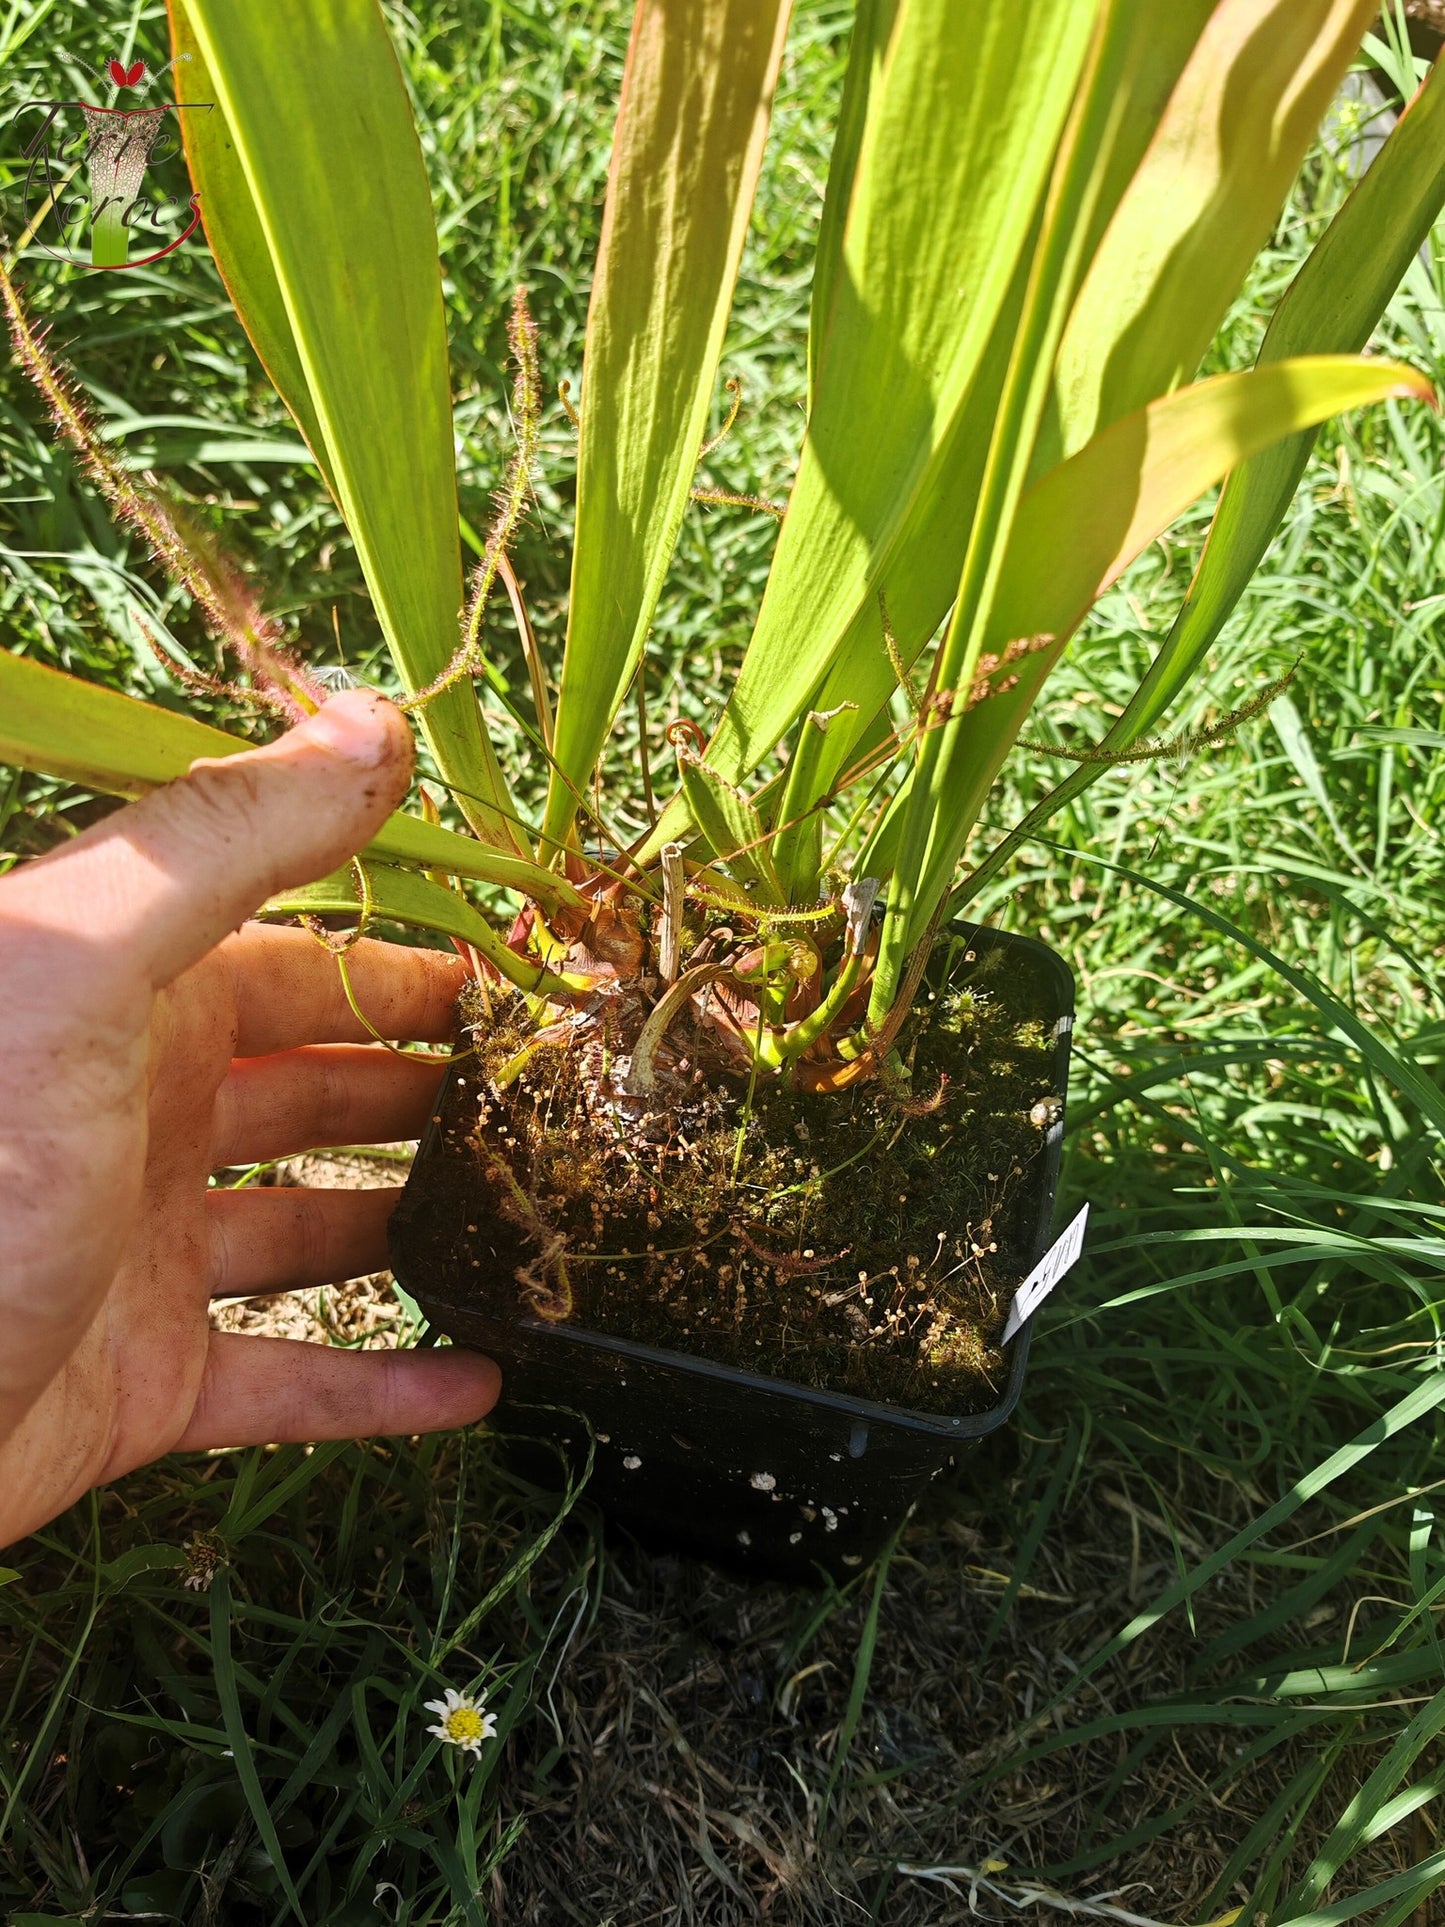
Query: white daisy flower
{"points": [[462, 1720]]}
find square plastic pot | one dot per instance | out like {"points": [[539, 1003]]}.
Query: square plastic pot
{"points": [[750, 1472]]}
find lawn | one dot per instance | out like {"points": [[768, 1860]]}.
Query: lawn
{"points": [[1168, 1646]]}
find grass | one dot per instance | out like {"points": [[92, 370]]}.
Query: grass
{"points": [[1170, 1645]]}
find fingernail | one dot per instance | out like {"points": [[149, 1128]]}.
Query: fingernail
{"points": [[357, 725]]}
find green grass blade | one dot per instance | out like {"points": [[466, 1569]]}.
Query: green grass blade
{"points": [[322, 213], [862, 1666], [1425, 1398], [1357, 1825], [1081, 524], [1202, 204], [83, 733], [228, 1693], [1410, 1888], [1396, 1069], [696, 98]]}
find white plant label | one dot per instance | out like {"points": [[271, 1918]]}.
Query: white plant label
{"points": [[1060, 1257]]}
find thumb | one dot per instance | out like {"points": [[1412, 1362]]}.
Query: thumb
{"points": [[172, 875]]}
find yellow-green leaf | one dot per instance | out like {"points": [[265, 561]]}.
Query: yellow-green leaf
{"points": [[1082, 524], [1202, 203], [318, 207], [696, 97], [968, 100], [61, 726], [921, 565], [233, 229], [732, 830], [1331, 306], [873, 22], [367, 890]]}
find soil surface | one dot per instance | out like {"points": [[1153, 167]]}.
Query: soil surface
{"points": [[867, 1242]]}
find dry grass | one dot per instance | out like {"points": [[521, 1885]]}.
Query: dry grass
{"points": [[701, 1723]]}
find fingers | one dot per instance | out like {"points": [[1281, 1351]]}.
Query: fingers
{"points": [[289, 991], [163, 881], [274, 1107], [276, 1391], [281, 1240]]}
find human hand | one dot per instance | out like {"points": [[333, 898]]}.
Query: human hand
{"points": [[144, 1042]]}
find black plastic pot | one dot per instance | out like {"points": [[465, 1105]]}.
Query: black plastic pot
{"points": [[693, 1457]]}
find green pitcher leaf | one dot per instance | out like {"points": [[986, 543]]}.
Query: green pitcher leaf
{"points": [[400, 896], [317, 204], [365, 890], [1332, 306], [916, 302], [431, 846], [732, 830], [920, 568], [696, 98], [1059, 260], [1081, 525], [78, 731], [1203, 202], [233, 229], [82, 733], [873, 24]]}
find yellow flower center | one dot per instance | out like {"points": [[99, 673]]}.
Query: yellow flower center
{"points": [[463, 1724]]}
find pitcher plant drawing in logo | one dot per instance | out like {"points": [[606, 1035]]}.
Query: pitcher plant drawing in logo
{"points": [[116, 148]]}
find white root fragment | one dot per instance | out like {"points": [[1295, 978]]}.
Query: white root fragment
{"points": [[641, 1079], [858, 900], [670, 934]]}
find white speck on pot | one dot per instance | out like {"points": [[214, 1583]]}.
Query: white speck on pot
{"points": [[794, 1537], [836, 1457], [830, 1519], [762, 1482], [745, 1538], [631, 1462], [852, 1558], [604, 1438]]}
